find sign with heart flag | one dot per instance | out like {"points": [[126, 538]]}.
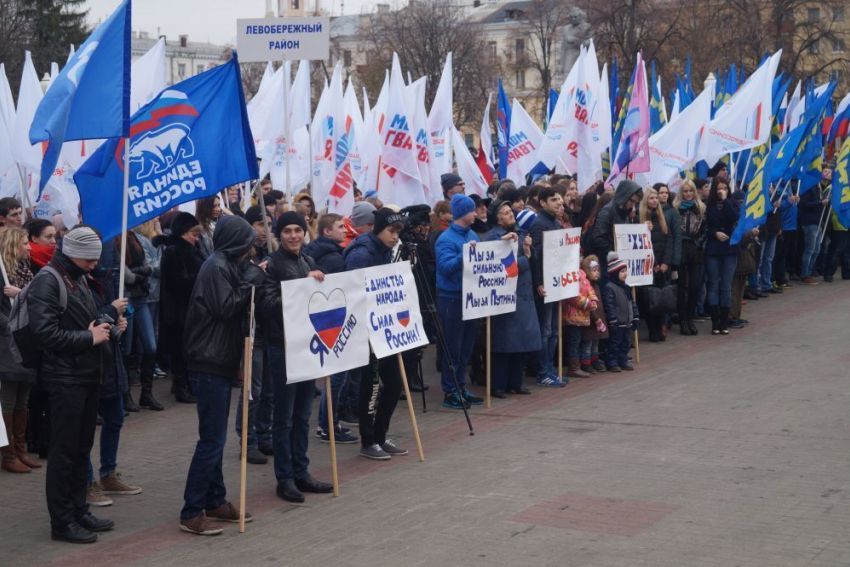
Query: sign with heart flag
{"points": [[325, 325], [393, 317]]}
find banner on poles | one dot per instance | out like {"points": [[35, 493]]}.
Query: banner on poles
{"points": [[324, 326], [490, 273], [634, 245], [392, 305], [561, 263]]}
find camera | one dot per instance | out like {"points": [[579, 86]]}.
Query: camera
{"points": [[114, 332]]}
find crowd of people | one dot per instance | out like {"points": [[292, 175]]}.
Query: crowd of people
{"points": [[189, 280]]}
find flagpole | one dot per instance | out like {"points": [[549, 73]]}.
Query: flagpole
{"points": [[286, 132], [747, 168], [25, 198], [124, 217]]}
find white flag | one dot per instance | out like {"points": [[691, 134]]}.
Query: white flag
{"points": [[467, 168], [323, 139], [147, 76], [523, 144], [10, 180], [373, 138], [260, 107], [30, 94], [440, 122], [585, 102]]}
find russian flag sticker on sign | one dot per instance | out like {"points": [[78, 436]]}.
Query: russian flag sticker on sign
{"points": [[511, 268], [403, 314], [327, 314]]}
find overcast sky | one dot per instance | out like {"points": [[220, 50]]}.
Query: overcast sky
{"points": [[201, 20]]}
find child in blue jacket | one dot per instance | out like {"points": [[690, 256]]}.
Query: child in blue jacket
{"points": [[621, 313]]}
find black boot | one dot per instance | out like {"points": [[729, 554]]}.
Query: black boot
{"points": [[715, 319], [724, 320], [129, 404], [131, 365], [684, 326], [180, 388], [146, 399]]}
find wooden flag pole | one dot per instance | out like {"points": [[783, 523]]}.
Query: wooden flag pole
{"points": [[332, 435], [560, 344], [246, 393], [410, 408], [487, 394]]}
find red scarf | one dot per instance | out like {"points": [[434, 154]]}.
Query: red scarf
{"points": [[40, 254]]}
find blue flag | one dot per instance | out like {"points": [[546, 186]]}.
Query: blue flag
{"points": [[784, 151], [756, 203], [90, 98], [553, 102], [503, 127], [841, 186], [190, 142]]}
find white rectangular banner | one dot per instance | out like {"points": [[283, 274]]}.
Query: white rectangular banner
{"points": [[561, 263], [634, 245], [324, 325], [279, 39], [490, 273], [394, 321]]}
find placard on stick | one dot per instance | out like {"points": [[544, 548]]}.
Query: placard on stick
{"points": [[634, 245], [324, 325], [490, 273], [561, 263], [392, 304]]}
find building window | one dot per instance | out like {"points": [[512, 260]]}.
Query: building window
{"points": [[814, 15], [814, 48], [838, 14], [295, 4], [492, 51], [520, 79], [468, 140], [346, 58], [200, 69], [181, 69], [837, 45], [520, 49]]}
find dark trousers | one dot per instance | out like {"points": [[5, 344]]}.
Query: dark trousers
{"points": [[460, 340], [690, 280], [837, 246], [507, 370], [619, 343], [261, 404], [780, 259], [739, 286], [376, 411], [205, 488], [73, 415], [112, 411], [293, 404]]}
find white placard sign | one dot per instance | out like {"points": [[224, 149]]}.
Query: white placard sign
{"points": [[394, 321], [561, 263], [278, 39], [490, 274], [634, 245], [324, 326]]}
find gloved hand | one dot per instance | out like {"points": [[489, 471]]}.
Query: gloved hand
{"points": [[635, 323]]}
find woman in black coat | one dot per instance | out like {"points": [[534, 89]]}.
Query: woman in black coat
{"points": [[694, 230], [180, 264], [662, 246]]}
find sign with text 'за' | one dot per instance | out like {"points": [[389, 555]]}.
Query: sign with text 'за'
{"points": [[279, 39]]}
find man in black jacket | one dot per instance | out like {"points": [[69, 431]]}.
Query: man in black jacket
{"points": [[628, 195], [293, 403], [213, 343], [70, 371]]}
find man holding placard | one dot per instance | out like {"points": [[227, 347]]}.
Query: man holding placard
{"points": [[293, 403]]}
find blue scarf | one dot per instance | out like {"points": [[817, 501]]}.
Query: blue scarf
{"points": [[687, 205]]}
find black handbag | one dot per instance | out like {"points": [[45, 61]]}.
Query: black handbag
{"points": [[661, 300]]}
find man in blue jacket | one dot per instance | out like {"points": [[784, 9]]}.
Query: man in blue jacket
{"points": [[811, 207], [459, 334]]}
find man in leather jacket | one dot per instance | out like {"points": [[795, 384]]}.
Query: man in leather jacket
{"points": [[213, 343], [293, 403], [70, 371]]}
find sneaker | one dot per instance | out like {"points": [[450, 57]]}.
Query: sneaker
{"points": [[227, 512], [784, 285], [256, 457], [599, 366], [627, 367], [393, 449], [453, 401], [348, 419], [201, 525], [320, 432], [159, 372], [341, 436], [809, 280], [94, 496], [774, 290], [550, 382], [614, 368], [374, 452], [112, 484], [736, 324], [472, 399]]}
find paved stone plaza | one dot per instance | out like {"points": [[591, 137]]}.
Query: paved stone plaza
{"points": [[718, 451]]}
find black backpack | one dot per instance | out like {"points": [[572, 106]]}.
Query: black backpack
{"points": [[19, 336]]}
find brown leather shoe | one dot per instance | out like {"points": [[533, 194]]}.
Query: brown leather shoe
{"points": [[200, 525], [227, 512], [10, 462], [20, 424], [809, 280]]}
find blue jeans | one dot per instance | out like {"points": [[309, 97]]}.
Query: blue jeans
{"points": [[719, 270], [573, 341], [337, 383], [112, 412], [140, 330], [293, 404], [589, 351], [547, 314], [460, 341], [261, 404], [205, 482], [811, 239], [349, 393]]}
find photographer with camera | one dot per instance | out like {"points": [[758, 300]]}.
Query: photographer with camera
{"points": [[70, 369]]}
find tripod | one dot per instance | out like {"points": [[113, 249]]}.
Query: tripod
{"points": [[411, 249]]}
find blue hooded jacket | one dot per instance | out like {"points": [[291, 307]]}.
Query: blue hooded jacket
{"points": [[449, 252], [366, 251]]}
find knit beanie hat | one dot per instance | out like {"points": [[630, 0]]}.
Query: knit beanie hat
{"points": [[461, 206], [525, 218], [254, 214], [449, 180], [614, 263], [183, 223], [288, 218], [362, 213], [82, 243], [386, 217]]}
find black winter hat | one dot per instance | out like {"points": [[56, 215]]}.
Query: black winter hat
{"points": [[288, 218], [183, 223], [386, 217]]}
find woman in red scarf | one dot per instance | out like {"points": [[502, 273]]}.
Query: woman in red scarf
{"points": [[42, 242]]}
